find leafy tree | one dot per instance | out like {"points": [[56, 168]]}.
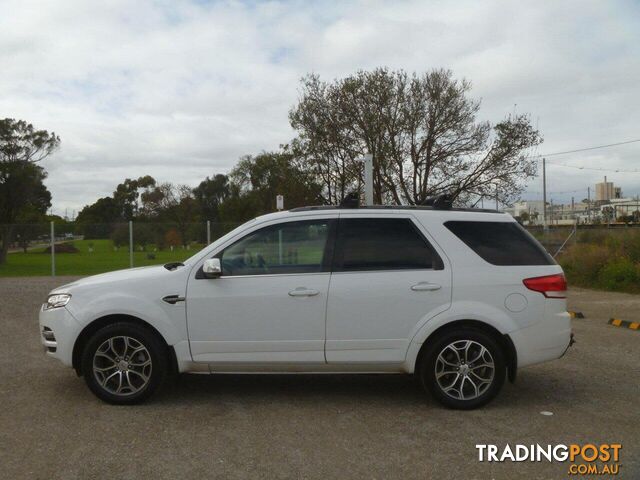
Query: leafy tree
{"points": [[97, 220], [30, 225], [239, 207], [422, 132], [210, 194], [22, 190], [257, 180], [173, 238], [120, 235], [127, 195]]}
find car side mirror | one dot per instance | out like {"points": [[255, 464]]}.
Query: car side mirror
{"points": [[212, 268]]}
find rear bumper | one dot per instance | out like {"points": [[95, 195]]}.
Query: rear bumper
{"points": [[545, 340]]}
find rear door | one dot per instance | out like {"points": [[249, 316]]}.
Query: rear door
{"points": [[387, 276]]}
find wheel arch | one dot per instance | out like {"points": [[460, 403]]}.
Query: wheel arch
{"points": [[503, 339], [105, 320]]}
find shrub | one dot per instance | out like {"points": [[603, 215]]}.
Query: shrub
{"points": [[620, 274], [582, 263]]}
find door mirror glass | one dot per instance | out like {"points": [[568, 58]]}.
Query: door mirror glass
{"points": [[212, 268]]}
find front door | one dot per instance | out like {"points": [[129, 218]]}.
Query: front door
{"points": [[387, 278], [269, 305]]}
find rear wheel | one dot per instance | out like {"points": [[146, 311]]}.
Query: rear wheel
{"points": [[463, 368], [124, 363]]}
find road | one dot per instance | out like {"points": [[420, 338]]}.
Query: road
{"points": [[311, 426]]}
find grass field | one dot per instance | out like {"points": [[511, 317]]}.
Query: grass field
{"points": [[102, 259]]}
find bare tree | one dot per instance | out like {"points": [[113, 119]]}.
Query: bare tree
{"points": [[422, 132]]}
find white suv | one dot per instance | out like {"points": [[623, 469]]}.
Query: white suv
{"points": [[459, 298]]}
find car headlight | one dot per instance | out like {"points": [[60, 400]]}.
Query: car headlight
{"points": [[57, 300]]}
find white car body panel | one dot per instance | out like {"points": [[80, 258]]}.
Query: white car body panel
{"points": [[358, 321], [372, 314], [253, 319]]}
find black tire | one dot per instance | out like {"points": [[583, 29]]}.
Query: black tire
{"points": [[485, 391], [153, 360]]}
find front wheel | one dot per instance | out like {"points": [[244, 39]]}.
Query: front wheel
{"points": [[124, 363], [463, 369]]}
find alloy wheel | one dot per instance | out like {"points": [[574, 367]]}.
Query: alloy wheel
{"points": [[464, 369], [122, 365]]}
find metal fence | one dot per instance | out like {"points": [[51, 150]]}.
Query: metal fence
{"points": [[68, 248]]}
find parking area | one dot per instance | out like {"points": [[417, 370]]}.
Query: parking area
{"points": [[312, 426]]}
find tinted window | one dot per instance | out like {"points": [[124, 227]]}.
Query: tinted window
{"points": [[382, 244], [501, 243], [294, 247]]}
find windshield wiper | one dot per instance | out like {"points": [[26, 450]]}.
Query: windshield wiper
{"points": [[171, 266]]}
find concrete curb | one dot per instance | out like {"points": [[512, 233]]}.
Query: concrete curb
{"points": [[616, 322]]}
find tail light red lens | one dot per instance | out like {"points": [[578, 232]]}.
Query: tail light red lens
{"points": [[551, 286]]}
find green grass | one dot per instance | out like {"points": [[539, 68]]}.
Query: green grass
{"points": [[102, 259]]}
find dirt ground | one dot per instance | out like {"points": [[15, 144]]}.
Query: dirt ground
{"points": [[312, 426]]}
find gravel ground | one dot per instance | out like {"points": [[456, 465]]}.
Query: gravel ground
{"points": [[311, 426]]}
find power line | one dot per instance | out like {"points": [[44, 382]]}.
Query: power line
{"points": [[557, 193], [597, 169], [586, 149]]}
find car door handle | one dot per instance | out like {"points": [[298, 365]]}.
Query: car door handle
{"points": [[173, 299], [425, 287], [303, 292]]}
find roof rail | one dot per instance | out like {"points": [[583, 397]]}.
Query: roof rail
{"points": [[391, 207]]}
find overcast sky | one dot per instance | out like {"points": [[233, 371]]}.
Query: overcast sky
{"points": [[179, 90]]}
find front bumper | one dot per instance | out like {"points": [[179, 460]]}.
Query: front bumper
{"points": [[58, 332]]}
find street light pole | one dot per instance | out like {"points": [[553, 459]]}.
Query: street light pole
{"points": [[544, 194]]}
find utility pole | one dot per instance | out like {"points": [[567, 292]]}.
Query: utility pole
{"points": [[544, 194], [130, 244], [496, 196], [368, 178], [589, 204]]}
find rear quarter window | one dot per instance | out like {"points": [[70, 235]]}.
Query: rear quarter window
{"points": [[501, 243]]}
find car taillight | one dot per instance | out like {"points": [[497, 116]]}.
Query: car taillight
{"points": [[551, 286]]}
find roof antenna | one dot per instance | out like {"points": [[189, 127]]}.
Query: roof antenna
{"points": [[351, 200]]}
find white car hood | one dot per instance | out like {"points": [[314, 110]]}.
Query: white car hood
{"points": [[127, 275]]}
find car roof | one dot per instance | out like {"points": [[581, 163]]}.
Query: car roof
{"points": [[393, 207]]}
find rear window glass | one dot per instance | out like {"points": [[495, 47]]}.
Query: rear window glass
{"points": [[382, 244], [501, 243]]}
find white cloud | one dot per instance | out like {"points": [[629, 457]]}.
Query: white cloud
{"points": [[180, 90]]}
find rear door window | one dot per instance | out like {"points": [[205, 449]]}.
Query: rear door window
{"points": [[366, 244], [501, 243]]}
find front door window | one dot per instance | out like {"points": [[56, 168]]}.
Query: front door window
{"points": [[286, 248]]}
